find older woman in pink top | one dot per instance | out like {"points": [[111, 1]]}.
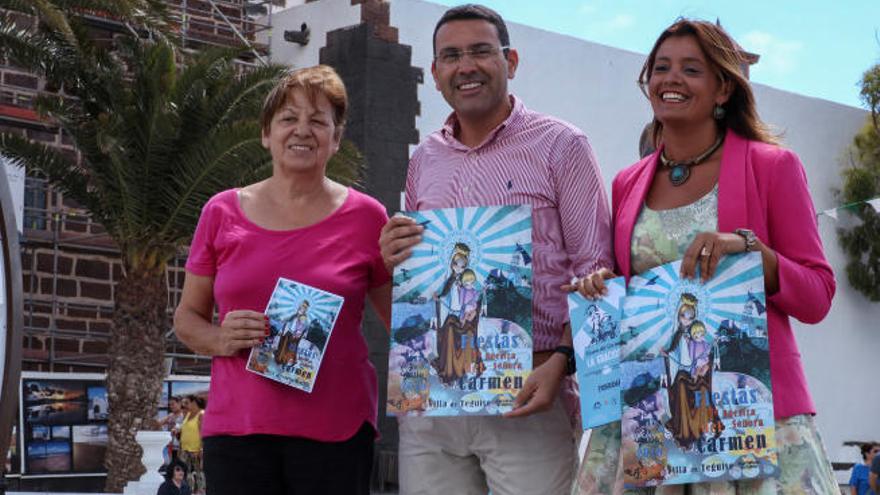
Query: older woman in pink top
{"points": [[718, 184], [261, 436]]}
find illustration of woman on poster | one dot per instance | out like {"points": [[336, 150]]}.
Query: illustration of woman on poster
{"points": [[293, 331], [457, 307], [690, 376]]}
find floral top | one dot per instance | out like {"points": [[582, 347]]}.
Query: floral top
{"points": [[661, 236]]}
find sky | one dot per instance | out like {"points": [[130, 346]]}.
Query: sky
{"points": [[815, 48]]}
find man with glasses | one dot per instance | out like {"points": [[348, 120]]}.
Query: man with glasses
{"points": [[492, 151]]}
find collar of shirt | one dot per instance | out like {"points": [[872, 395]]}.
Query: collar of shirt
{"points": [[448, 129]]}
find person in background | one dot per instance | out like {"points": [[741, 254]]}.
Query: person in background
{"points": [[874, 475], [719, 184], [175, 480], [191, 441], [171, 423], [859, 481]]}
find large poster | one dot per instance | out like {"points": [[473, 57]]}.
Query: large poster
{"points": [[461, 323], [695, 377], [63, 420], [64, 425]]}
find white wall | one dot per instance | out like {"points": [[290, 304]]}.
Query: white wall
{"points": [[593, 86], [321, 17]]}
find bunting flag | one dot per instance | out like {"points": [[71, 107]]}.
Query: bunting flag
{"points": [[832, 212]]}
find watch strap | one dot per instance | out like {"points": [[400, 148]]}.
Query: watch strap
{"points": [[570, 364]]}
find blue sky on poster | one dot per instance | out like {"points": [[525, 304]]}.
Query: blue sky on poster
{"points": [[815, 48]]}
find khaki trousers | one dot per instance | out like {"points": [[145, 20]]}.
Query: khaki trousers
{"points": [[471, 455]]}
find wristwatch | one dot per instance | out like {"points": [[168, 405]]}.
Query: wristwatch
{"points": [[748, 236], [568, 351]]}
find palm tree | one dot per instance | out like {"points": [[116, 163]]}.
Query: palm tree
{"points": [[54, 14], [158, 133]]}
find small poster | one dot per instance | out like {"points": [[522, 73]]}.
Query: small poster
{"points": [[695, 377], [595, 327], [301, 319], [461, 319]]}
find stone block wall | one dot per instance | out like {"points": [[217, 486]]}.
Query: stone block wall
{"points": [[69, 305], [383, 93]]}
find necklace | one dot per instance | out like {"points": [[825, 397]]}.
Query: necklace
{"points": [[679, 172]]}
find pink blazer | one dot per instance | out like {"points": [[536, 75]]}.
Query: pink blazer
{"points": [[763, 188]]}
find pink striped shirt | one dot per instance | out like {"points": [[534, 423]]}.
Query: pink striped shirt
{"points": [[531, 159]]}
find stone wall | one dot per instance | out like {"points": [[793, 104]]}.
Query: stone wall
{"points": [[68, 295], [382, 87]]}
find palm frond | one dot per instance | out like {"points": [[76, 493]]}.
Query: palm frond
{"points": [[60, 171], [47, 13], [244, 96], [216, 163], [152, 15], [26, 49], [347, 166]]}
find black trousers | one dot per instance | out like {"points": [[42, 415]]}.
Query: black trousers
{"points": [[277, 465]]}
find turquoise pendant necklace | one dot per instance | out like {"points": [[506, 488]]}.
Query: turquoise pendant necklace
{"points": [[680, 172]]}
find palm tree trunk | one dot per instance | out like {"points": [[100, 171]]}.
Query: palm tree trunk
{"points": [[135, 373]]}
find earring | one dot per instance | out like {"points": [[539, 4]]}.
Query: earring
{"points": [[718, 112]]}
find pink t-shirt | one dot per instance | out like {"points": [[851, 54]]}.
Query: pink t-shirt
{"points": [[339, 254]]}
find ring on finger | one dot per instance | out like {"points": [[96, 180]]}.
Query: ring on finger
{"points": [[705, 251]]}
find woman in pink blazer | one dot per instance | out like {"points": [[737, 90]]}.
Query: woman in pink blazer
{"points": [[719, 184]]}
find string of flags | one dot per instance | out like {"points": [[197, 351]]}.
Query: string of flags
{"points": [[832, 212]]}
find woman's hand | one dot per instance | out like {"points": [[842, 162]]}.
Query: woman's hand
{"points": [[592, 286], [241, 329], [706, 250]]}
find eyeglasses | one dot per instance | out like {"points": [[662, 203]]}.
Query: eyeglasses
{"points": [[454, 56]]}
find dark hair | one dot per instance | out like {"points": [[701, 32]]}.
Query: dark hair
{"points": [[198, 400], [866, 448], [174, 398], [471, 11], [317, 80], [169, 469], [725, 57]]}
